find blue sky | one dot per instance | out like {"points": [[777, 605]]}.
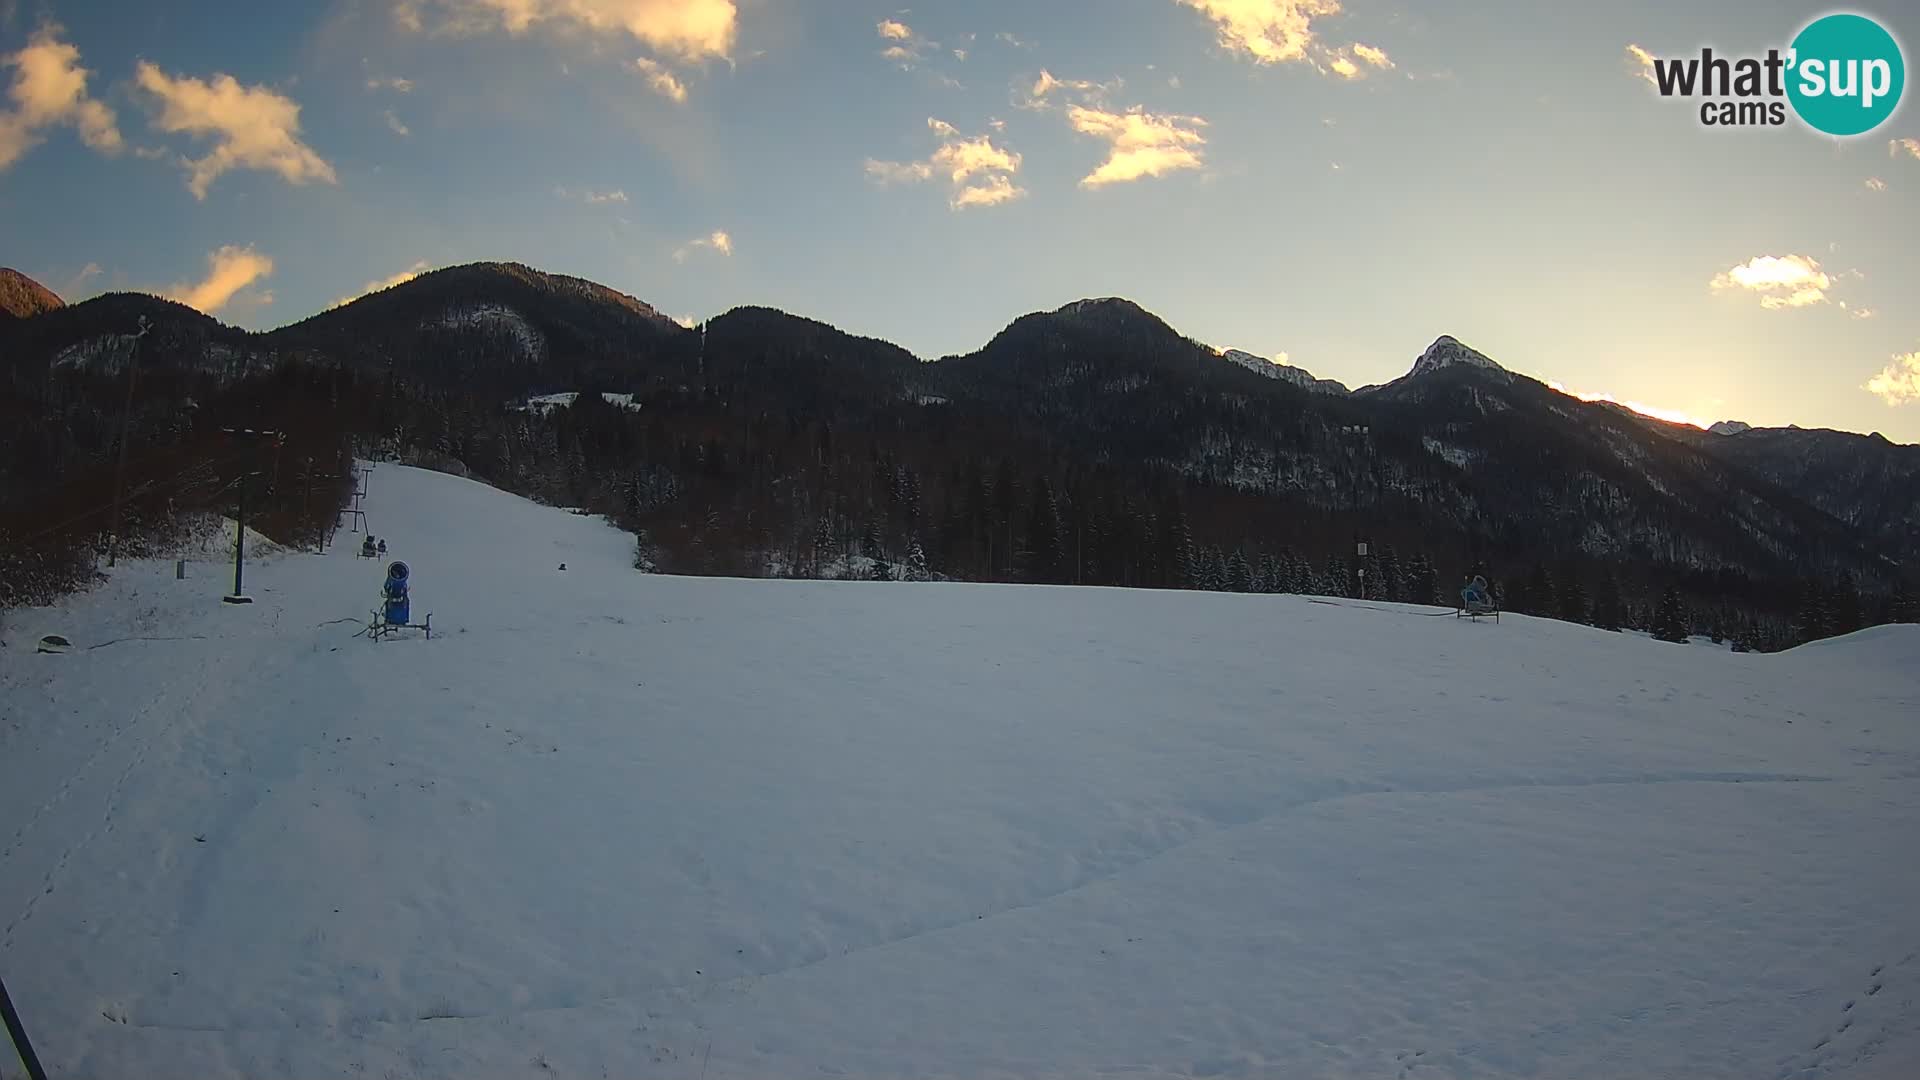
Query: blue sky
{"points": [[1339, 181]]}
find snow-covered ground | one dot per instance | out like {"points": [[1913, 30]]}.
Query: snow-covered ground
{"points": [[608, 824]]}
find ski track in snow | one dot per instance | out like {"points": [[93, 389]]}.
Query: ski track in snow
{"points": [[884, 830], [754, 976]]}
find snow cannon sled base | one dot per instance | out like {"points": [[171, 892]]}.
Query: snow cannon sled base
{"points": [[1476, 611], [381, 627], [1476, 601]]}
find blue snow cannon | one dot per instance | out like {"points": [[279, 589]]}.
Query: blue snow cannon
{"points": [[399, 608]]}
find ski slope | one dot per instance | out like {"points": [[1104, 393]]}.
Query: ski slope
{"points": [[611, 824]]}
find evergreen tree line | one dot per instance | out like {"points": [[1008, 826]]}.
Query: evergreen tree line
{"points": [[68, 504], [714, 480]]}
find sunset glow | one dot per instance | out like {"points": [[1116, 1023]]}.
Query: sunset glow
{"points": [[1282, 171], [1672, 416]]}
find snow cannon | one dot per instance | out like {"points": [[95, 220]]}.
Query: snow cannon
{"points": [[399, 608]]}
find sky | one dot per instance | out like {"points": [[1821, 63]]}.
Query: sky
{"points": [[1332, 182]]}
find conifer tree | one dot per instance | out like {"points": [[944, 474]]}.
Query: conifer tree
{"points": [[1669, 620], [1609, 611], [1846, 607], [917, 562], [1573, 598], [1239, 573]]}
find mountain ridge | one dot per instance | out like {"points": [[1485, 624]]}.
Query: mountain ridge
{"points": [[21, 297], [762, 438], [1109, 313]]}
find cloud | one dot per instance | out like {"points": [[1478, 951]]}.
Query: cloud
{"points": [[990, 191], [1049, 92], [899, 172], [71, 289], [1270, 31], [905, 47], [378, 284], [1352, 63], [395, 84], [252, 127], [1642, 64], [1013, 40], [1047, 84], [1377, 57], [963, 158], [1874, 183], [980, 173], [50, 89], [1788, 281], [398, 128], [1355, 62], [1283, 31], [688, 29], [717, 241], [590, 197], [1910, 147], [1798, 298], [1140, 144], [1899, 382], [229, 270], [664, 82]]}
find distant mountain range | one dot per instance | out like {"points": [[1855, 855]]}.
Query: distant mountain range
{"points": [[1460, 457]]}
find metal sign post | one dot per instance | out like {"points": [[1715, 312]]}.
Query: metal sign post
{"points": [[239, 547]]}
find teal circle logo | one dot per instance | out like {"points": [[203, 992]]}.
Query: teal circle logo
{"points": [[1846, 75]]}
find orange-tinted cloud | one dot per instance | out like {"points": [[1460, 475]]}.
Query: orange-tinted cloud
{"points": [[689, 29], [49, 89], [981, 173], [1785, 281], [252, 127], [1140, 144], [1899, 382], [1269, 31], [717, 241], [229, 270], [1642, 64], [661, 81]]}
